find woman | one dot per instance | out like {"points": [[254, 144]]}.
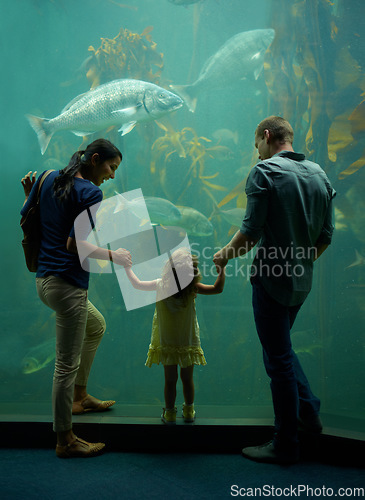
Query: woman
{"points": [[62, 283]]}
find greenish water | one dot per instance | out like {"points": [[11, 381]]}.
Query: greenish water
{"points": [[313, 75]]}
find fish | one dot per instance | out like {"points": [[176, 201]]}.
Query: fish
{"points": [[221, 153], [160, 210], [120, 103], [39, 357], [305, 341], [194, 222], [234, 216], [225, 135], [359, 260], [241, 56]]}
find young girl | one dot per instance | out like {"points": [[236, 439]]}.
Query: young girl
{"points": [[175, 336]]}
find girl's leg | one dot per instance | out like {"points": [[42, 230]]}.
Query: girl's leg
{"points": [[171, 377], [187, 380]]}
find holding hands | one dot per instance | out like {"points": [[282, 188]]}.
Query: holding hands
{"points": [[122, 257], [219, 261]]}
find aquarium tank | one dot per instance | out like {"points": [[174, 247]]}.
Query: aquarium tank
{"points": [[230, 63]]}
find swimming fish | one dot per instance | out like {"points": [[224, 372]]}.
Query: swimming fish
{"points": [[39, 356], [160, 210], [359, 260], [225, 135], [305, 341], [119, 102], [233, 216], [220, 153], [241, 56], [194, 222]]}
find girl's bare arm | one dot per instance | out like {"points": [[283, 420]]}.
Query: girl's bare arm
{"points": [[147, 286], [213, 289]]}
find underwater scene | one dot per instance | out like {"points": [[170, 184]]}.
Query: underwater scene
{"points": [[197, 76]]}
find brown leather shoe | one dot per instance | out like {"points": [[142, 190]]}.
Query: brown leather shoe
{"points": [[79, 448]]}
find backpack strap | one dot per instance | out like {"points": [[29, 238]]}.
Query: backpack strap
{"points": [[46, 174]]}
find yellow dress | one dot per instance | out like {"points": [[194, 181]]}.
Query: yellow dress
{"points": [[175, 338]]}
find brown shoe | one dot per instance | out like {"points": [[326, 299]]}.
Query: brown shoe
{"points": [[79, 448], [90, 404]]}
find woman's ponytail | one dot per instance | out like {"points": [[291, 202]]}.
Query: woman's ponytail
{"points": [[64, 182]]}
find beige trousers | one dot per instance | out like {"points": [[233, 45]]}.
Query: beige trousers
{"points": [[79, 330]]}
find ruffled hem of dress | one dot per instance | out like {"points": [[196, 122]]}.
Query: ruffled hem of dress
{"points": [[182, 356]]}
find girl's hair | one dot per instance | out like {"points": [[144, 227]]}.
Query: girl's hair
{"points": [[64, 182], [182, 270]]}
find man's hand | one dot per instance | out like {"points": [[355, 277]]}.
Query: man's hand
{"points": [[219, 261], [122, 257]]}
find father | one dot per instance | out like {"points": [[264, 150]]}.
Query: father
{"points": [[289, 212]]}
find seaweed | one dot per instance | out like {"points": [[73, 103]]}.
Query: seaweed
{"points": [[128, 55]]}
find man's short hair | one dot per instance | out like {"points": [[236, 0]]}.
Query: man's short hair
{"points": [[280, 129]]}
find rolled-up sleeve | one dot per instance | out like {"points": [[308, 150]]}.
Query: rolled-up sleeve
{"points": [[257, 191], [328, 226], [86, 219]]}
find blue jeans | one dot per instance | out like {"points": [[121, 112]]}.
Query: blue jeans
{"points": [[291, 393]]}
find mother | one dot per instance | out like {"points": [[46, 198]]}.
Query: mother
{"points": [[62, 283]]}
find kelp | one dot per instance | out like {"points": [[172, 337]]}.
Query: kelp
{"points": [[178, 162], [128, 55], [354, 167], [239, 190], [315, 81]]}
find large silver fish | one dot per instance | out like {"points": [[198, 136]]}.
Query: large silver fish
{"points": [[241, 56], [119, 102], [39, 356]]}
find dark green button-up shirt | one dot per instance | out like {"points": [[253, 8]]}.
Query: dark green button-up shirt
{"points": [[289, 209]]}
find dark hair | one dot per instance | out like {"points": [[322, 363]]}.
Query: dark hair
{"points": [[64, 182], [280, 128]]}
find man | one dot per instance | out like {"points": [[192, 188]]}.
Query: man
{"points": [[289, 212]]}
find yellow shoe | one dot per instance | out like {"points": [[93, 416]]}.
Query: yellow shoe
{"points": [[188, 413], [169, 416]]}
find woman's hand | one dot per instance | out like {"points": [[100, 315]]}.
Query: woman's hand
{"points": [[28, 182], [122, 257]]}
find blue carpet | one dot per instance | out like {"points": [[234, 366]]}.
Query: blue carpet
{"points": [[39, 474]]}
